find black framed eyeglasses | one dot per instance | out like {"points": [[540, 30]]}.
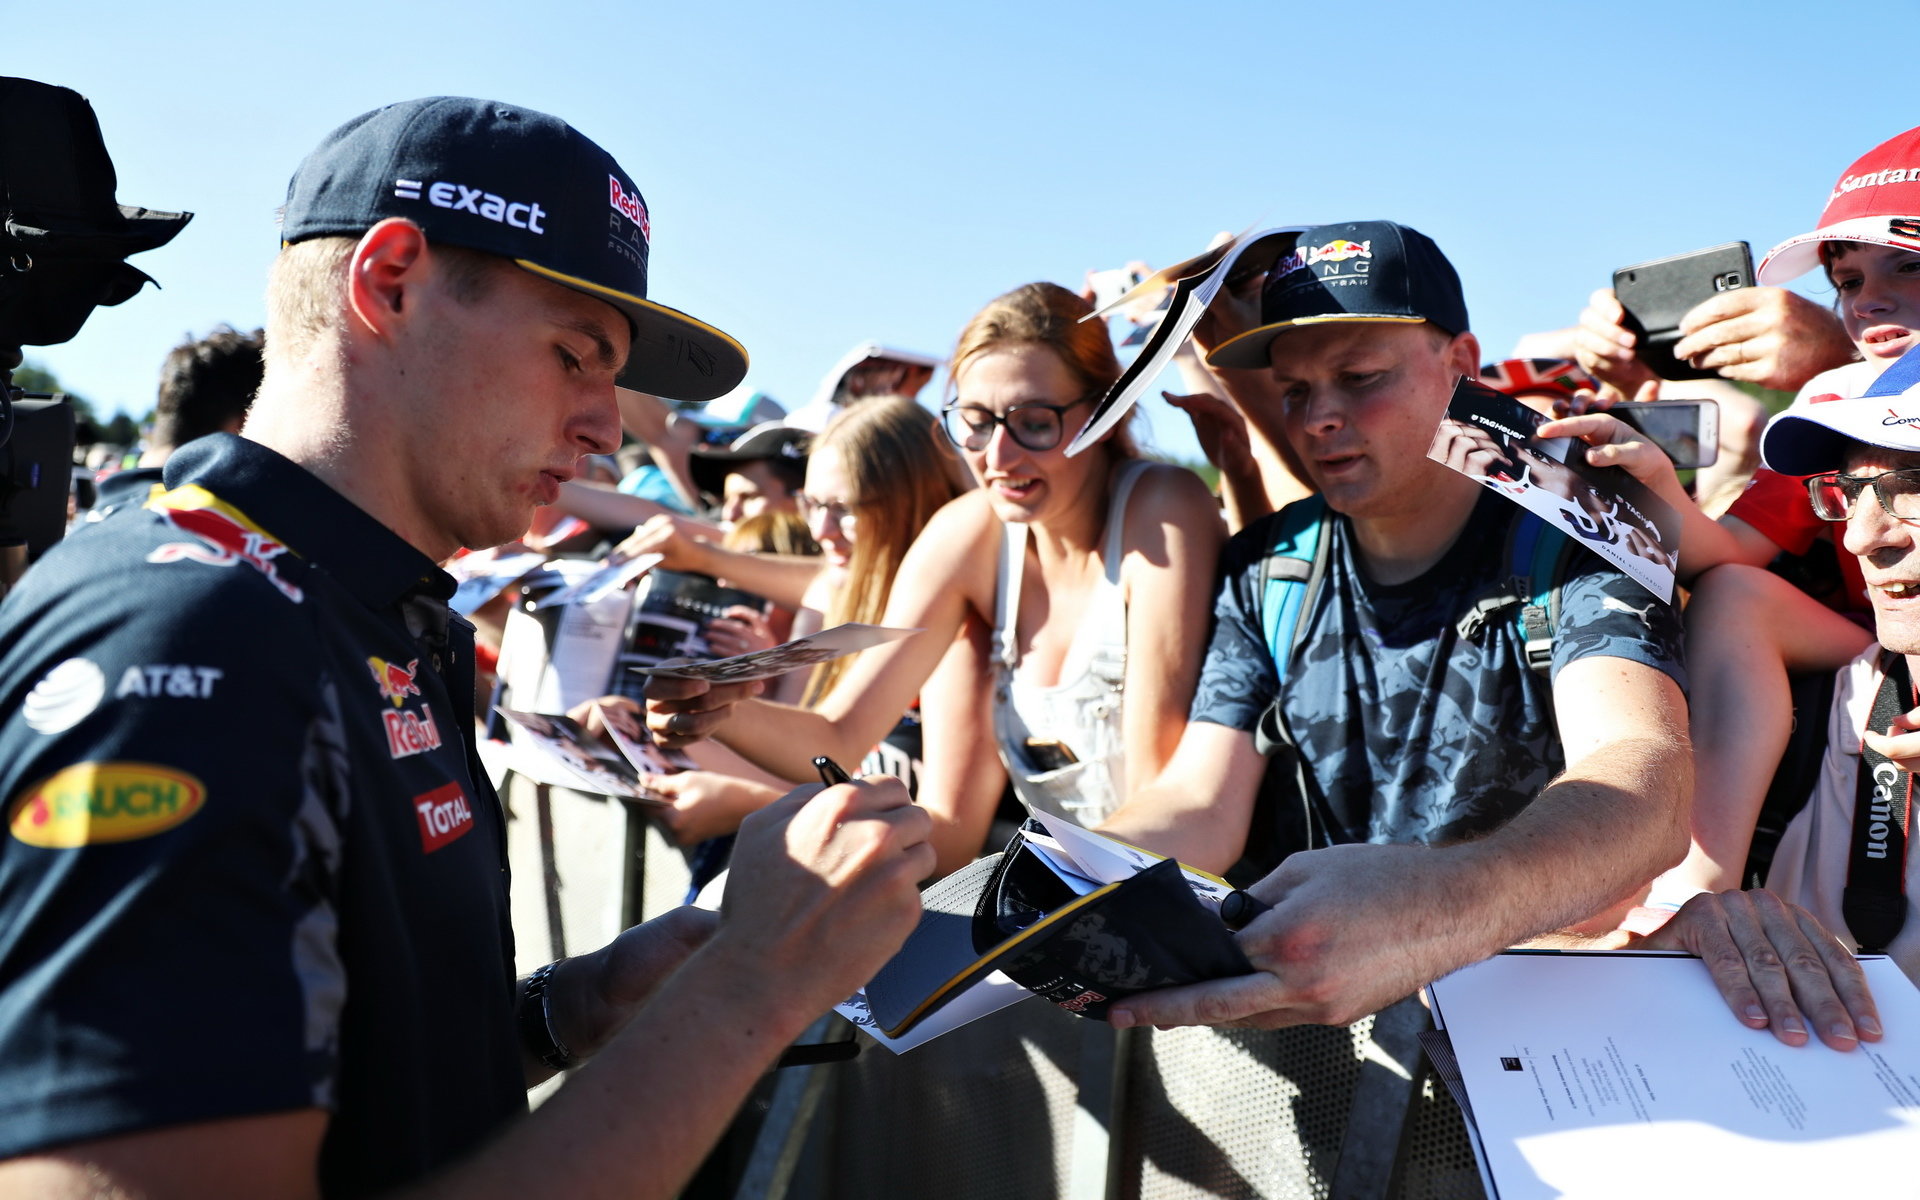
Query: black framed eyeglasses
{"points": [[1834, 495], [1032, 426]]}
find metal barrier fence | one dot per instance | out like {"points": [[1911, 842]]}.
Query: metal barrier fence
{"points": [[1028, 1102]]}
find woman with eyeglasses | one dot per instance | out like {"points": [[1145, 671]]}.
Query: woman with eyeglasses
{"points": [[1093, 572]]}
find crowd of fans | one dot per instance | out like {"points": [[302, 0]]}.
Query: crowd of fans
{"points": [[1311, 682]]}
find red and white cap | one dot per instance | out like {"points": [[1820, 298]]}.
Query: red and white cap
{"points": [[1877, 200]]}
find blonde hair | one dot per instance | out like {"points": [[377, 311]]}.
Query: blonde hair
{"points": [[307, 288], [772, 532], [1046, 314], [900, 471], [305, 293]]}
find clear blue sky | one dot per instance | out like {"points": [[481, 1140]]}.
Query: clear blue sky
{"points": [[819, 174]]}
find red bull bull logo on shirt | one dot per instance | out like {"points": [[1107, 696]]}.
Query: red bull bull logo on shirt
{"points": [[225, 536], [395, 681], [408, 733]]}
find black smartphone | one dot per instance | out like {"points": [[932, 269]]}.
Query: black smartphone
{"points": [[1688, 430], [1657, 294]]}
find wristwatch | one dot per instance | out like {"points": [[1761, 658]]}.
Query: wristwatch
{"points": [[536, 1021]]}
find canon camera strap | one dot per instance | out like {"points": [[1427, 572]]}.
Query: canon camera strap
{"points": [[1875, 900]]}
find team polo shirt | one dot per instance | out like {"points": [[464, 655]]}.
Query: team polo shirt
{"points": [[251, 861]]}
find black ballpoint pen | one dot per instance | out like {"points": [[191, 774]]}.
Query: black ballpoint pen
{"points": [[831, 772]]}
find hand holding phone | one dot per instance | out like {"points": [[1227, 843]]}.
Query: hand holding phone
{"points": [[1655, 295], [1687, 431]]}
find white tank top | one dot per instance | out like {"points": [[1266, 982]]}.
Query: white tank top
{"points": [[1082, 711]]}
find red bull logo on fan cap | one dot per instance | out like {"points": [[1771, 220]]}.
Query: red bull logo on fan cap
{"points": [[1339, 250], [226, 536], [1288, 264], [395, 681]]}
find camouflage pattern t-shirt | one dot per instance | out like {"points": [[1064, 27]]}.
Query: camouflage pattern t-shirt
{"points": [[1414, 732]]}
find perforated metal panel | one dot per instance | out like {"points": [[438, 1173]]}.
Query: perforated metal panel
{"points": [[1436, 1160], [984, 1111], [990, 1111], [1236, 1114]]}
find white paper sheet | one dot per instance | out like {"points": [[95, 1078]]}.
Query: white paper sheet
{"points": [[1626, 1075]]}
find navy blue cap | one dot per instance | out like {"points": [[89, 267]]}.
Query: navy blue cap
{"points": [[523, 185], [1355, 271]]}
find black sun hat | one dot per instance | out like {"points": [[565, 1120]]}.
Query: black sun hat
{"points": [[784, 445], [523, 185]]}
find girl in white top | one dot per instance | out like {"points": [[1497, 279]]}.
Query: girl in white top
{"points": [[1027, 373]]}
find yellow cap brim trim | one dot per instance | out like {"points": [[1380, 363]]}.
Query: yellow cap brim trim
{"points": [[672, 314], [1266, 333]]}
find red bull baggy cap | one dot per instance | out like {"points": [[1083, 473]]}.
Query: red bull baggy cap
{"points": [[523, 185], [1356, 271], [1813, 437], [1876, 200]]}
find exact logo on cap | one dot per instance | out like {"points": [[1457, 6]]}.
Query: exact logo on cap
{"points": [[90, 803], [478, 201]]}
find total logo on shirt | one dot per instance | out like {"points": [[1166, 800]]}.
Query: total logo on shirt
{"points": [[444, 814]]}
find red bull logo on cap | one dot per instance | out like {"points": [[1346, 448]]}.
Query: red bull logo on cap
{"points": [[395, 681], [1339, 250], [629, 205], [225, 536], [1288, 264]]}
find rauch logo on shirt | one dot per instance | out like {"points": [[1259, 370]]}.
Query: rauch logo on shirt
{"points": [[93, 802]]}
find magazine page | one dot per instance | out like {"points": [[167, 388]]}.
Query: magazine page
{"points": [[481, 577], [1610, 1075], [1489, 437], [1195, 283], [815, 648], [1103, 859], [555, 751], [602, 583], [668, 620]]}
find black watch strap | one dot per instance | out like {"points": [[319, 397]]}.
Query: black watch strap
{"points": [[536, 1021]]}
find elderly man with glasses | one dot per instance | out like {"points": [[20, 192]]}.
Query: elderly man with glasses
{"points": [[1843, 857]]}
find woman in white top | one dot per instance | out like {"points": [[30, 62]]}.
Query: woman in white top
{"points": [[1100, 593]]}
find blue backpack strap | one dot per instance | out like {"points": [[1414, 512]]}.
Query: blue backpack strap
{"points": [[1536, 557], [1546, 549], [1290, 577], [1536, 561]]}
